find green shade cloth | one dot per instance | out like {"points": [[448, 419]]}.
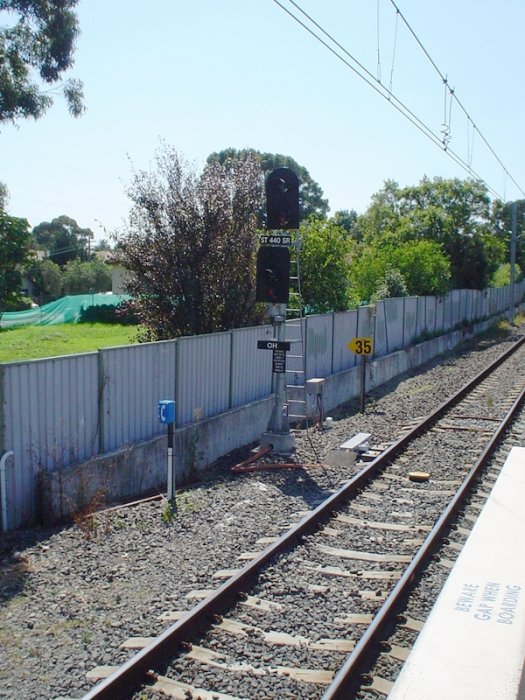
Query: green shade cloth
{"points": [[64, 310]]}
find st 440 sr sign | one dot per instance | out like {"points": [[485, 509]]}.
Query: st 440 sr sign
{"points": [[361, 346]]}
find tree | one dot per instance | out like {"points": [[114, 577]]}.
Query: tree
{"points": [[324, 260], [453, 213], [40, 41], [4, 196], [63, 239], [501, 278], [102, 244], [47, 278], [421, 265], [348, 220], [392, 285], [15, 252], [311, 202], [86, 277], [190, 245]]}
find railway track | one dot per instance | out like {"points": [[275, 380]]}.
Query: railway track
{"points": [[304, 616]]}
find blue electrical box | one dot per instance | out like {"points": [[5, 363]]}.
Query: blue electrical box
{"points": [[167, 411]]}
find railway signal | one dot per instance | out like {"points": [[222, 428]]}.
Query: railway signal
{"points": [[273, 275], [282, 199], [273, 287]]}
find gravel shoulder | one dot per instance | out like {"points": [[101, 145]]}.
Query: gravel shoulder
{"points": [[70, 596]]}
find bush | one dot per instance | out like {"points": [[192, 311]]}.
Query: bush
{"points": [[20, 304], [122, 313], [392, 285]]}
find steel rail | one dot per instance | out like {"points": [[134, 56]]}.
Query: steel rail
{"points": [[124, 680], [349, 678]]}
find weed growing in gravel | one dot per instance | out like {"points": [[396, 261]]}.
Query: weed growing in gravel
{"points": [[181, 503], [142, 525], [118, 523], [186, 504], [85, 519], [169, 511]]}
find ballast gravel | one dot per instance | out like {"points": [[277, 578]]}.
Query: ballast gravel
{"points": [[70, 596]]}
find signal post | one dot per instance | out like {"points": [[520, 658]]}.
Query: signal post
{"points": [[273, 287]]}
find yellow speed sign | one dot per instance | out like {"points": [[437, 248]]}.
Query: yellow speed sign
{"points": [[361, 346]]}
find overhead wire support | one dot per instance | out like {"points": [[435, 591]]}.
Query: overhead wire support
{"points": [[390, 83], [369, 78], [453, 96]]}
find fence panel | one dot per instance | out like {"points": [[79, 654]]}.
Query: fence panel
{"points": [[455, 297], [421, 326], [394, 315], [134, 379], [203, 376], [319, 339], [409, 320], [431, 304], [50, 421], [345, 330], [251, 368], [447, 313], [380, 330]]}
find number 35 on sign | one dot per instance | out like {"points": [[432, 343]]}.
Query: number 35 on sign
{"points": [[361, 346]]}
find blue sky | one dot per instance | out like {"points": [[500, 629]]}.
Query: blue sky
{"points": [[212, 74]]}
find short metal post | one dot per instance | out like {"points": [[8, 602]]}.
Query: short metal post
{"points": [[171, 471], [363, 383], [167, 416]]}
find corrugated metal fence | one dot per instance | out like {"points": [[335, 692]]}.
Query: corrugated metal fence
{"points": [[61, 411]]}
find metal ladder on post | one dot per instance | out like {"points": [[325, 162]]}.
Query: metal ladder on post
{"points": [[296, 358]]}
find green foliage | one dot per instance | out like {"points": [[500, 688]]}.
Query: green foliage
{"points": [[40, 41], [311, 202], [4, 196], [21, 304], [86, 277], [424, 267], [324, 261], [191, 244], [421, 265], [47, 278], [392, 285], [63, 239], [501, 277], [14, 253], [347, 220], [169, 511], [109, 313], [455, 214]]}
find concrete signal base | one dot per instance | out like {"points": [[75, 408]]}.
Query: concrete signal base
{"points": [[282, 443]]}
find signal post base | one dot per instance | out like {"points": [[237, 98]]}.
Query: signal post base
{"points": [[281, 443]]}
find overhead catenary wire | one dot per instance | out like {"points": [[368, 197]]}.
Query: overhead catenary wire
{"points": [[453, 95], [340, 52]]}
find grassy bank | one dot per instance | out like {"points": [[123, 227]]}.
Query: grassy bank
{"points": [[30, 342]]}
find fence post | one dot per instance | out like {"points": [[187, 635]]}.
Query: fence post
{"points": [[100, 403], [2, 409], [230, 382]]}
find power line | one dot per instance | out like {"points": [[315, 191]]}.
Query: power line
{"points": [[362, 72], [453, 95]]}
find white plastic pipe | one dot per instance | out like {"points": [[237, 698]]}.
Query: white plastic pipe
{"points": [[3, 486]]}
